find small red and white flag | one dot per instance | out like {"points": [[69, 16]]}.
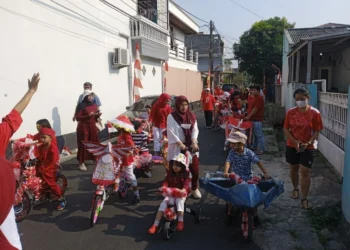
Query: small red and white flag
{"points": [[111, 128], [137, 74], [66, 151], [165, 69]]}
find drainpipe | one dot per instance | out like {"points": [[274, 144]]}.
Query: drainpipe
{"points": [[130, 85]]}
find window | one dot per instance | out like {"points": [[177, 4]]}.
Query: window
{"points": [[172, 38]]}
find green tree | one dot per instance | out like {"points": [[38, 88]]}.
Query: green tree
{"points": [[260, 47]]}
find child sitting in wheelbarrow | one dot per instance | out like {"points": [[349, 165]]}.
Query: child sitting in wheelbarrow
{"points": [[239, 162]]}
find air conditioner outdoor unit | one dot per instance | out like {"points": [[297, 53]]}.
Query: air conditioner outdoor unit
{"points": [[120, 58]]}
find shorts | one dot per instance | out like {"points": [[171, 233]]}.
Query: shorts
{"points": [[305, 158], [179, 202], [129, 174]]}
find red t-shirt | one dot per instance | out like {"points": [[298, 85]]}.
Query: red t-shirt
{"points": [[208, 102], [302, 125], [126, 140], [7, 198], [160, 116], [250, 101], [8, 127], [258, 104], [48, 156]]}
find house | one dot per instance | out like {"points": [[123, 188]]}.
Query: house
{"points": [[70, 43], [200, 43], [321, 55]]}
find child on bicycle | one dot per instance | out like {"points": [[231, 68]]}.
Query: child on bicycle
{"points": [[240, 159], [140, 139], [47, 155], [125, 127], [176, 186]]}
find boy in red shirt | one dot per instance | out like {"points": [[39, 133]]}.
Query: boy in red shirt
{"points": [[208, 104], [256, 115], [47, 154]]}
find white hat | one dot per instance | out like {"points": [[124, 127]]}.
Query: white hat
{"points": [[182, 159], [86, 93], [236, 137], [207, 89]]}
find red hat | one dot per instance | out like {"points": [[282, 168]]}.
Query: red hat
{"points": [[48, 131], [123, 122]]}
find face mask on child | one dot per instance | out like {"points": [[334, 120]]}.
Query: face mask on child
{"points": [[301, 104]]}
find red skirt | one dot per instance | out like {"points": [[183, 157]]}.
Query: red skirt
{"points": [[86, 132]]}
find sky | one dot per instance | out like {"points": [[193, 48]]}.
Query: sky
{"points": [[232, 20]]}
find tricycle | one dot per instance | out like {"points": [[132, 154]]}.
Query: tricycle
{"points": [[246, 197]]}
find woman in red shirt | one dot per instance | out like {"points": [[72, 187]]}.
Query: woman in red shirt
{"points": [[208, 104], [159, 114], [302, 126], [86, 115]]}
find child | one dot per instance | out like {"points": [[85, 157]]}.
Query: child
{"points": [[164, 151], [140, 139], [178, 178], [47, 155], [125, 127], [239, 161]]}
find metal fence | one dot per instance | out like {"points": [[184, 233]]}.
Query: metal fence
{"points": [[333, 108]]}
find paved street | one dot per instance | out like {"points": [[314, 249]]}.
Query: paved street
{"points": [[123, 226]]}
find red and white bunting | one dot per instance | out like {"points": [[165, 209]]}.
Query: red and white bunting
{"points": [[137, 74], [111, 128], [165, 69]]}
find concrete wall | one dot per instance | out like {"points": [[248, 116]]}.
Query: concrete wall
{"points": [[179, 13], [68, 45], [332, 153], [184, 82], [152, 83]]}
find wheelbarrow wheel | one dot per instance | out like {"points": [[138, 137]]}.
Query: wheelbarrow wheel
{"points": [[247, 224]]}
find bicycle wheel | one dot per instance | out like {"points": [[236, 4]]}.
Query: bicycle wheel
{"points": [[247, 225], [167, 231], [96, 209], [22, 209]]}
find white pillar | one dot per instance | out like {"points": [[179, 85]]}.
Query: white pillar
{"points": [[298, 67], [308, 69]]}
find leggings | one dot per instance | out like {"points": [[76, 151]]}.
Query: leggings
{"points": [[208, 114], [194, 169]]}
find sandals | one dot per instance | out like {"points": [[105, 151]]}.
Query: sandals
{"points": [[306, 206], [295, 194]]}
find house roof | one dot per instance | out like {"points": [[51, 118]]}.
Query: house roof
{"points": [[333, 25], [296, 35]]}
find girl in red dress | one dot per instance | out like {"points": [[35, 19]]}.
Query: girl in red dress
{"points": [[87, 114]]}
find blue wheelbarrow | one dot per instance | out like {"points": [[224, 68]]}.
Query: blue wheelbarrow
{"points": [[246, 198]]}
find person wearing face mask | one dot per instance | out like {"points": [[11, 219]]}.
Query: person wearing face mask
{"points": [[182, 133], [87, 115], [302, 126]]}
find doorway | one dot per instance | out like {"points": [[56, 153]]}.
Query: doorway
{"points": [[326, 74]]}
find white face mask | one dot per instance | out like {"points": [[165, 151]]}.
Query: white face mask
{"points": [[301, 104]]}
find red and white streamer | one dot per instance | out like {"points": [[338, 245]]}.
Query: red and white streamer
{"points": [[165, 69], [137, 74]]}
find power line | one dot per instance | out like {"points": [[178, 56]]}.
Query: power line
{"points": [[246, 9], [191, 13]]}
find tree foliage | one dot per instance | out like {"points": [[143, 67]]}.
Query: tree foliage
{"points": [[260, 47]]}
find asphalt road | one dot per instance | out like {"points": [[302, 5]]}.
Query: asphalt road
{"points": [[123, 226]]}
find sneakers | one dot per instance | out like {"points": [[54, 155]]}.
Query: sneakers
{"points": [[196, 194], [136, 200], [82, 167], [153, 229], [180, 226], [61, 204]]}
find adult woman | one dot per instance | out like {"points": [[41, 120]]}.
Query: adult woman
{"points": [[182, 132], [159, 113], [302, 126], [87, 114]]}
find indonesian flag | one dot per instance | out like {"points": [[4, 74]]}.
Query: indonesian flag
{"points": [[111, 128], [137, 74], [165, 69]]}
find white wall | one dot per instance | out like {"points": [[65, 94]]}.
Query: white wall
{"points": [[332, 153], [152, 84], [183, 16], [67, 49], [182, 64]]}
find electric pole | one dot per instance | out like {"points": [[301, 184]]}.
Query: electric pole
{"points": [[211, 59]]}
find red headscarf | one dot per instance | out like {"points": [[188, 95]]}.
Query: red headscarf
{"points": [[161, 103], [184, 118]]}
